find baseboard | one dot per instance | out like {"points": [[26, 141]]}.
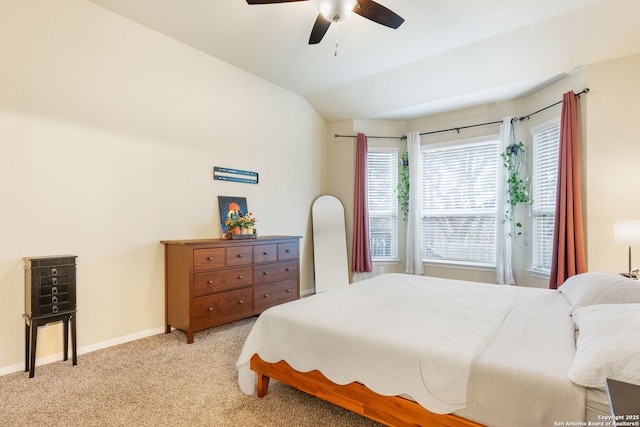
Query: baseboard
{"points": [[84, 349]]}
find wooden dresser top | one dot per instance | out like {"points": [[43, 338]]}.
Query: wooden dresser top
{"points": [[259, 239]]}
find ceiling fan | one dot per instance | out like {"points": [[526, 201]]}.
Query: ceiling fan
{"points": [[339, 10]]}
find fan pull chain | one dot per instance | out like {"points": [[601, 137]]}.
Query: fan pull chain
{"points": [[335, 52]]}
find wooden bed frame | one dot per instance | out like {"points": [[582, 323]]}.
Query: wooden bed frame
{"points": [[389, 410]]}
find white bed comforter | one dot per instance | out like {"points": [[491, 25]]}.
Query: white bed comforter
{"points": [[425, 338]]}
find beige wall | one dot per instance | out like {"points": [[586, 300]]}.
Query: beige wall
{"points": [[613, 159], [341, 154], [608, 124], [109, 133]]}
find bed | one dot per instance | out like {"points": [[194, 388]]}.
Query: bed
{"points": [[416, 350]]}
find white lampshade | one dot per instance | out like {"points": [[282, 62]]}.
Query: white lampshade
{"points": [[626, 231], [336, 10]]}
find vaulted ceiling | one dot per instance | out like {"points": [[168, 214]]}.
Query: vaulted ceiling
{"points": [[448, 54]]}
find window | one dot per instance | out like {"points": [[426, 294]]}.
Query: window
{"points": [[382, 180], [459, 192], [546, 143]]}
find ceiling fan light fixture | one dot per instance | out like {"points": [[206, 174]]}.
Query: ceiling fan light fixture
{"points": [[336, 10]]}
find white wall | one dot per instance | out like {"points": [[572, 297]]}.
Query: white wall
{"points": [[109, 133]]}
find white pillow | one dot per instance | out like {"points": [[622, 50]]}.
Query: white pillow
{"points": [[599, 287], [608, 345]]}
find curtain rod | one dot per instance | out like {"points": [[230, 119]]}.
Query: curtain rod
{"points": [[584, 91], [515, 119], [457, 129], [383, 137]]}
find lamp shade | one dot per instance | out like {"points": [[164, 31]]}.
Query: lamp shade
{"points": [[336, 10], [626, 231]]}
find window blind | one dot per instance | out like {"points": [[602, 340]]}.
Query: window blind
{"points": [[546, 143], [459, 196], [382, 180]]}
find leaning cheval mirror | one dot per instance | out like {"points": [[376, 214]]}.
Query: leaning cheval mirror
{"points": [[331, 266]]}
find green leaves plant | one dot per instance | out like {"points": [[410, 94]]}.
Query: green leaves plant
{"points": [[403, 186], [517, 186]]}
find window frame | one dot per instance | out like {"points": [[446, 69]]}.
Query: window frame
{"points": [[395, 255], [493, 211], [537, 267]]}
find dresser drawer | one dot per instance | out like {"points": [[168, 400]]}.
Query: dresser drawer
{"points": [[287, 251], [205, 259], [265, 253], [220, 308], [274, 272], [265, 296], [209, 282], [239, 255]]}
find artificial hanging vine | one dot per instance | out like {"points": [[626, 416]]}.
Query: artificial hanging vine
{"points": [[517, 185], [403, 186]]}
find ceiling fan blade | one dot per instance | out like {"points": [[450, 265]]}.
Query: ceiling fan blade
{"points": [[271, 1], [378, 13], [319, 29]]}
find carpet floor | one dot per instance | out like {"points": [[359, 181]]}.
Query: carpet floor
{"points": [[161, 381]]}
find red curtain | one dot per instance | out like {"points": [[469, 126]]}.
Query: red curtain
{"points": [[568, 257], [361, 249]]}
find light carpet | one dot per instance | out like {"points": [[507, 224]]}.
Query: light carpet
{"points": [[161, 381]]}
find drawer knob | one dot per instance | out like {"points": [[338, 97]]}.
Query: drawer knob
{"points": [[210, 282], [266, 273], [240, 277], [210, 308], [210, 258], [265, 253], [288, 268], [241, 301], [54, 281], [266, 295], [54, 290], [54, 299], [287, 251], [54, 309], [54, 271], [240, 255], [289, 290]]}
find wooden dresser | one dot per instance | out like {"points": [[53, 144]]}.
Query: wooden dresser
{"points": [[215, 281]]}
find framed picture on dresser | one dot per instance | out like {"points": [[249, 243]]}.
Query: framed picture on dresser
{"points": [[231, 207]]}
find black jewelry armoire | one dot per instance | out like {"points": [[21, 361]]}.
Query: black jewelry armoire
{"points": [[50, 296]]}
